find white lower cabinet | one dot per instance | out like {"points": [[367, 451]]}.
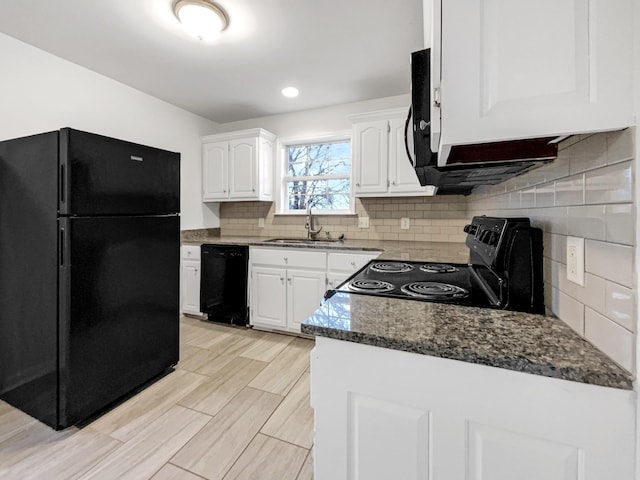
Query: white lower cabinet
{"points": [[382, 414], [269, 297], [190, 281], [287, 285], [342, 265], [305, 289]]}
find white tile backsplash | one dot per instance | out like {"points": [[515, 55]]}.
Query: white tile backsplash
{"points": [[619, 223], [611, 338], [612, 184], [545, 195], [570, 191], [587, 221], [528, 198], [620, 305], [555, 247], [586, 192], [588, 154], [591, 295], [610, 261], [620, 146], [571, 311]]}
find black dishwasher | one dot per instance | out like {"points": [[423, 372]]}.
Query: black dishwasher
{"points": [[223, 284]]}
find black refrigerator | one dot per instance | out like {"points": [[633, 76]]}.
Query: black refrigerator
{"points": [[89, 271]]}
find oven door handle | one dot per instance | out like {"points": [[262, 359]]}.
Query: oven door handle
{"points": [[493, 299]]}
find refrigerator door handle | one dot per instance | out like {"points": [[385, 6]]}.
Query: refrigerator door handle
{"points": [[62, 246], [62, 184]]}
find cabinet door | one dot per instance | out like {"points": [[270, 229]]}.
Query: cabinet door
{"points": [[243, 171], [191, 287], [214, 171], [341, 265], [502, 79], [269, 297], [370, 157], [402, 176], [305, 289]]}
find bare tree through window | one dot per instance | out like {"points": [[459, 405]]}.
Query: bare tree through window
{"points": [[319, 175]]}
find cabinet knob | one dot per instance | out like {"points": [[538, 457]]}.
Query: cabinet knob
{"points": [[286, 259], [289, 280], [195, 270], [357, 184], [393, 183], [253, 189], [281, 279], [353, 264]]}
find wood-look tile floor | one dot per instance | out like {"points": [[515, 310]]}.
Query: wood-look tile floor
{"points": [[236, 407]]}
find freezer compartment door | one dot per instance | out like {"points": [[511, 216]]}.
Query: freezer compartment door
{"points": [[119, 308], [105, 176]]}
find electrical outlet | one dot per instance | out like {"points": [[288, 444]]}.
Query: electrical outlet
{"points": [[261, 223], [575, 260], [405, 223], [363, 222]]}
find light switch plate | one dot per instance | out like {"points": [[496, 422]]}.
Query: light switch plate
{"points": [[575, 260], [363, 222], [261, 223], [405, 223]]}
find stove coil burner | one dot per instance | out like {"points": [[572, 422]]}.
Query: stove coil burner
{"points": [[370, 286], [391, 267], [434, 291], [438, 268]]}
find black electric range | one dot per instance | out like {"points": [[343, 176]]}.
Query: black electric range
{"points": [[504, 272]]}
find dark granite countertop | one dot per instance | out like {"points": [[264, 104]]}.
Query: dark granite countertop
{"points": [[398, 250], [517, 341]]}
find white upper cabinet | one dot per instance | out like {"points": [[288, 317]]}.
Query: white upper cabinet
{"points": [[370, 156], [238, 166], [215, 163], [512, 69], [380, 163]]}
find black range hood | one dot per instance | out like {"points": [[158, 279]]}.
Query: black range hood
{"points": [[467, 166]]}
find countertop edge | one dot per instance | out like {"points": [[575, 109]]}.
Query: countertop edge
{"points": [[518, 364]]}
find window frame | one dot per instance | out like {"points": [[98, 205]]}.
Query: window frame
{"points": [[281, 189]]}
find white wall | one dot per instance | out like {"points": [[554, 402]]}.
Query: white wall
{"points": [[319, 121], [40, 92]]}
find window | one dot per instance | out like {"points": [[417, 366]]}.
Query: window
{"points": [[318, 174]]}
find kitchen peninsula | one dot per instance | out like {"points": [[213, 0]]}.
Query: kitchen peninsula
{"points": [[407, 389]]}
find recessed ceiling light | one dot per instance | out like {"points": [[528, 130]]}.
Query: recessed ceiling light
{"points": [[201, 18], [290, 92]]}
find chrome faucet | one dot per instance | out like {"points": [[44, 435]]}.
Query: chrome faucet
{"points": [[308, 224]]}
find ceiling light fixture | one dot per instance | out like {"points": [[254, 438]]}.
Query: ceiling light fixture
{"points": [[201, 18], [290, 92]]}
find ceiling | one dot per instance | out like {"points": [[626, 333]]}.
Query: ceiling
{"points": [[334, 51]]}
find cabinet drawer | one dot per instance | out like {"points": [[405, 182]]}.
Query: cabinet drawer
{"points": [[349, 262], [191, 252], [288, 257]]}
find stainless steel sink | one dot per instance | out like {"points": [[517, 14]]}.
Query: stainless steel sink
{"points": [[304, 241]]}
